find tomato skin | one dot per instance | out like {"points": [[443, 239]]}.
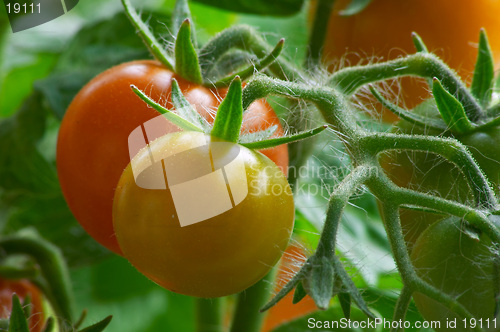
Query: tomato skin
{"points": [[383, 29], [221, 255], [22, 288], [458, 265], [92, 148]]}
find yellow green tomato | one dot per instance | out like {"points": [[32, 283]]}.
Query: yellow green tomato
{"points": [[200, 216]]}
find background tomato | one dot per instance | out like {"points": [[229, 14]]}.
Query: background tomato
{"points": [[284, 311], [220, 255], [430, 173], [383, 29], [92, 148], [23, 289], [460, 266]]}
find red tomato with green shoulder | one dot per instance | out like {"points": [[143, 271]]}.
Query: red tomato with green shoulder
{"points": [[23, 289], [92, 147]]}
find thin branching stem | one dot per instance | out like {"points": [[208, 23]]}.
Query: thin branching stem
{"points": [[426, 65]]}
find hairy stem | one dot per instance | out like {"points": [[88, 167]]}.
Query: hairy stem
{"points": [[449, 148], [425, 65], [401, 307], [403, 261], [245, 38]]}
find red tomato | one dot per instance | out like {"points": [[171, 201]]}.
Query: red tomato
{"points": [[22, 288], [92, 148], [383, 29]]}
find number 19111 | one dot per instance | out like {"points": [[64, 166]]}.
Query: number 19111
{"points": [[17, 8]]}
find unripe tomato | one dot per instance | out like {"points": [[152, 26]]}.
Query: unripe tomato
{"points": [[432, 174], [23, 289], [449, 28], [176, 223], [460, 266], [92, 148]]}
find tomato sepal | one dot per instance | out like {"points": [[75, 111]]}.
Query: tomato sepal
{"points": [[229, 118], [484, 72], [452, 111], [412, 117], [186, 58], [171, 116], [18, 321], [180, 14]]}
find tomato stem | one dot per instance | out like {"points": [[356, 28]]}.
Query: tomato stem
{"points": [[147, 36], [317, 34], [247, 317], [209, 314], [245, 38], [426, 65]]}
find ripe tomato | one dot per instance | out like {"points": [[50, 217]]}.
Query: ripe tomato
{"points": [[22, 288], [383, 29], [432, 174], [92, 148], [176, 223], [458, 265], [285, 311]]}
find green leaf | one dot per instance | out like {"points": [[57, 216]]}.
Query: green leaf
{"points": [[169, 115], [180, 14], [272, 142], [186, 58], [186, 110], [451, 109], [254, 68], [99, 326], [18, 321], [227, 123], [320, 282], [299, 293], [407, 115], [147, 36], [419, 43], [484, 72], [260, 7], [355, 7]]}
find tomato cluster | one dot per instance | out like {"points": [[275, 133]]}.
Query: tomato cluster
{"points": [[217, 257], [92, 148]]}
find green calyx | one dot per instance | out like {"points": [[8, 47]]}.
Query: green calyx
{"points": [[228, 120], [186, 62]]}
